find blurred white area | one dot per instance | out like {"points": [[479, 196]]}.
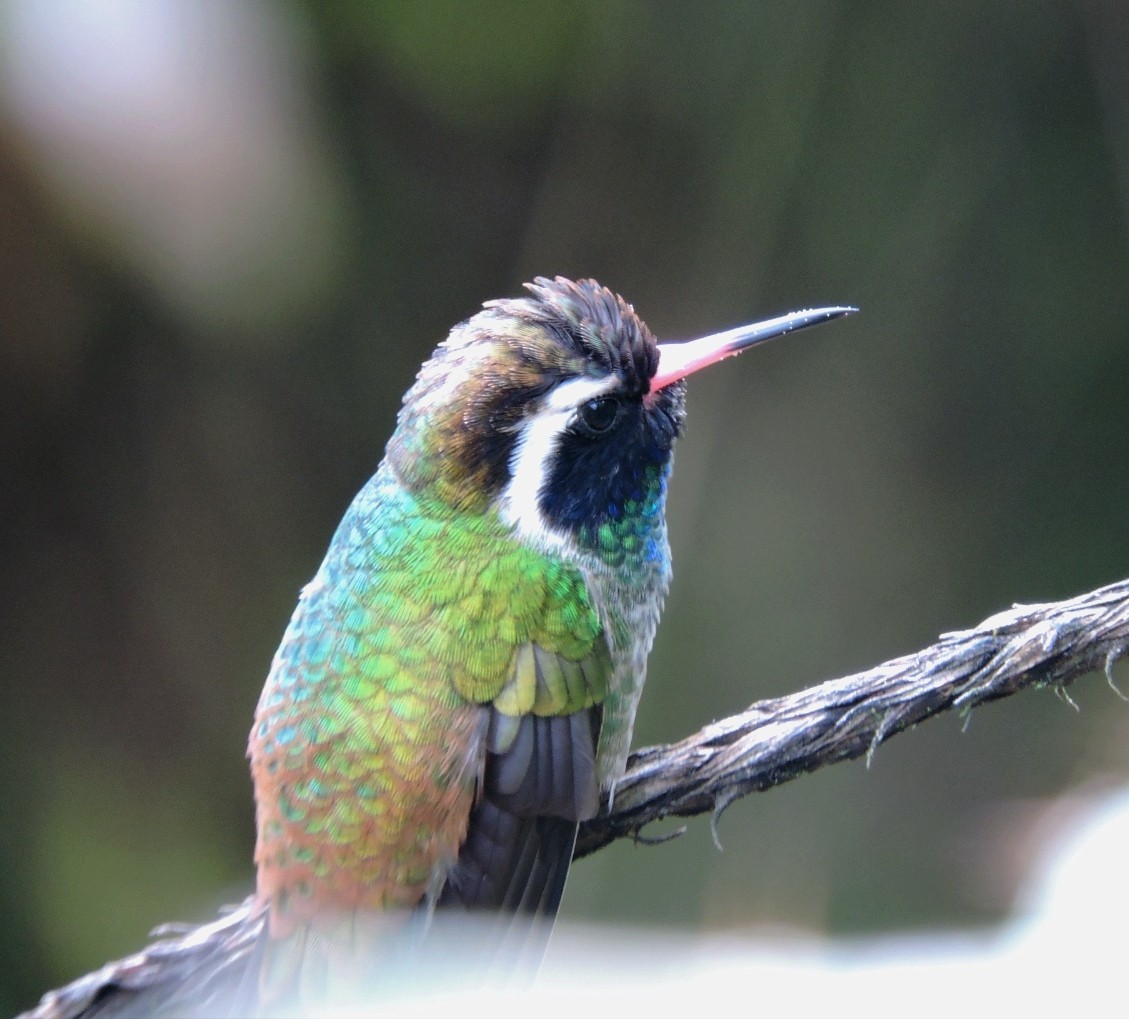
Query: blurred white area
{"points": [[178, 133], [1064, 956]]}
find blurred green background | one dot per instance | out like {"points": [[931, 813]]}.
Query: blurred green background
{"points": [[229, 234]]}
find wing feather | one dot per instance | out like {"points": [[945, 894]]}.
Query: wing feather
{"points": [[539, 781]]}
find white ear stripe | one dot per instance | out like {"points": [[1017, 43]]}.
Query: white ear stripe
{"points": [[519, 503], [573, 393]]}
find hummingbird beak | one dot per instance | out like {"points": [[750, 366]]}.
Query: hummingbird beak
{"points": [[677, 360]]}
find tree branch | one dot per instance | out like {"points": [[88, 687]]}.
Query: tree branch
{"points": [[776, 740]]}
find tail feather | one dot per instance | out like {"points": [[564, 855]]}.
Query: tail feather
{"points": [[539, 783]]}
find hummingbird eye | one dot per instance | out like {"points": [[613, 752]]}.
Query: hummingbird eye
{"points": [[597, 416]]}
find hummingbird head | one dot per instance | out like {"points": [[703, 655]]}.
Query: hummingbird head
{"points": [[560, 410], [543, 407]]}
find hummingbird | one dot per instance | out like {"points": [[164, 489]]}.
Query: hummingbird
{"points": [[456, 689]]}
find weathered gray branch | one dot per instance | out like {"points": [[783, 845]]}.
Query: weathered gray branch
{"points": [[776, 740], [770, 743]]}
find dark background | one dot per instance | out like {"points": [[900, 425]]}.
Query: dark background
{"points": [[229, 234]]}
